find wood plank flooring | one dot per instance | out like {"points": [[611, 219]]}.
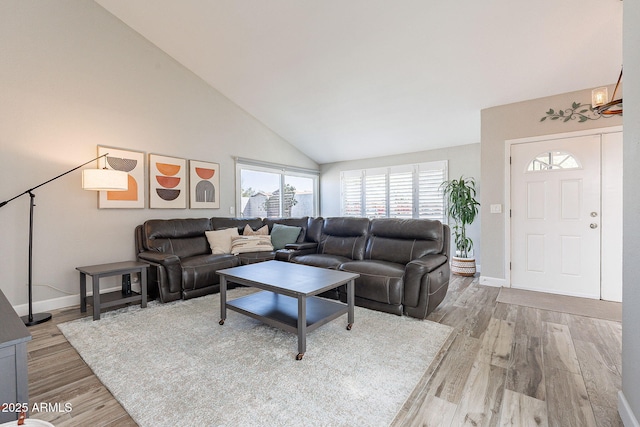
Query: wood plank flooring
{"points": [[505, 365], [511, 365]]}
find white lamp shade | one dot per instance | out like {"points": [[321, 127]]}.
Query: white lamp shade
{"points": [[105, 180]]}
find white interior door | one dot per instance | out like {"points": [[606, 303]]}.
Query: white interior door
{"points": [[555, 216]]}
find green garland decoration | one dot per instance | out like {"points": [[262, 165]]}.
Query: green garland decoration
{"points": [[577, 111]]}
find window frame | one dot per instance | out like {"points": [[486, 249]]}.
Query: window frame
{"points": [[550, 165], [283, 171]]}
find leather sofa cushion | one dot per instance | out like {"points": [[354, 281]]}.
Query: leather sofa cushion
{"points": [[380, 281], [321, 260], [345, 237], [181, 237], [346, 226], [200, 271], [314, 229], [401, 241]]}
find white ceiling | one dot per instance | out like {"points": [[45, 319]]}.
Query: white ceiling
{"points": [[348, 79]]}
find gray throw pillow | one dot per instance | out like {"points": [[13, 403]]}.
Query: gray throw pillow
{"points": [[282, 235]]}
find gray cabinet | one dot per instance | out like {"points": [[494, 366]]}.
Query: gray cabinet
{"points": [[14, 384]]}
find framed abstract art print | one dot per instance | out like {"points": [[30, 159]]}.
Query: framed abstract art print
{"points": [[167, 182], [131, 162], [204, 180]]}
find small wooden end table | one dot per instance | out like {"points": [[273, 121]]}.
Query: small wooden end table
{"points": [[110, 299]]}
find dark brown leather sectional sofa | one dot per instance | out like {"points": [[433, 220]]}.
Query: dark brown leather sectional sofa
{"points": [[403, 263]]}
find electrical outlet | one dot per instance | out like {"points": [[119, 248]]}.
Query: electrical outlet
{"points": [[232, 210]]}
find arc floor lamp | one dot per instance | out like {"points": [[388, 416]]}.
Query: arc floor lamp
{"points": [[92, 179]]}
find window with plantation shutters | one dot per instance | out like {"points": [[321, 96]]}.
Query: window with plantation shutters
{"points": [[406, 191]]}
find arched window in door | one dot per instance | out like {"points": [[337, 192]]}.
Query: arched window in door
{"points": [[553, 160]]}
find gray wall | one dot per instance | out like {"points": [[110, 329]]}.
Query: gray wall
{"points": [[631, 213], [73, 77], [462, 160], [512, 121]]}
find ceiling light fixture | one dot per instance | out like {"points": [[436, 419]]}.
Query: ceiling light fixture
{"points": [[599, 98]]}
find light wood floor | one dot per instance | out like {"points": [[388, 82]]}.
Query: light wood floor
{"points": [[504, 365]]}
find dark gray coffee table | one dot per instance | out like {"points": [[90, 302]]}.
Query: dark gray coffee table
{"points": [[288, 299]]}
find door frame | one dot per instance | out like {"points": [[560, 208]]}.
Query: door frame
{"points": [[507, 181]]}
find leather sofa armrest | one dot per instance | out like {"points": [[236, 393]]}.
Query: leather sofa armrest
{"points": [[416, 277], [301, 246], [427, 263], [167, 274], [159, 258], [296, 249]]}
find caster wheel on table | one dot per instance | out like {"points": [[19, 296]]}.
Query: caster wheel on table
{"points": [[221, 322], [349, 326], [299, 356]]}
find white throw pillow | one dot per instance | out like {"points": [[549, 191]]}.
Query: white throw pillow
{"points": [[244, 244], [220, 240]]}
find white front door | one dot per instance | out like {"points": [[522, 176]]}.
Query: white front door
{"points": [[555, 216]]}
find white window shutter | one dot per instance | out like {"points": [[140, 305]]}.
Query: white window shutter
{"points": [[352, 194], [430, 197], [401, 194], [375, 195]]}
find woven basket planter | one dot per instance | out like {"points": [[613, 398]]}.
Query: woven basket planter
{"points": [[463, 266]]}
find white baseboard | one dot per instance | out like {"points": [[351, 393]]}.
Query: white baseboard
{"points": [[54, 303], [626, 414], [492, 281]]}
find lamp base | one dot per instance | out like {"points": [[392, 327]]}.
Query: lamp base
{"points": [[36, 319]]}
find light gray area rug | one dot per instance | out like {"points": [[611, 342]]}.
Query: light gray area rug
{"points": [[173, 365], [607, 310]]}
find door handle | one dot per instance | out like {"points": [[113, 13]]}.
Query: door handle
{"points": [[593, 225]]}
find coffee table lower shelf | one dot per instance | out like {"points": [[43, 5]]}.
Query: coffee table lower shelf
{"points": [[281, 311]]}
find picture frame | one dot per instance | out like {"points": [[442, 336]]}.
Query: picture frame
{"points": [[128, 161], [204, 185], [167, 182]]}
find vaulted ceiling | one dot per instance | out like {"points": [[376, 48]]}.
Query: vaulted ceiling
{"points": [[347, 79]]}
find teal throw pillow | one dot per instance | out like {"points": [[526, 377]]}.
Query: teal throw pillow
{"points": [[282, 235]]}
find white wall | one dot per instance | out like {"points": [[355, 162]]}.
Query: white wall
{"points": [[462, 160], [73, 77], [630, 398]]}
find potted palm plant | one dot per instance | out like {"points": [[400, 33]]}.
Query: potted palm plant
{"points": [[462, 207]]}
